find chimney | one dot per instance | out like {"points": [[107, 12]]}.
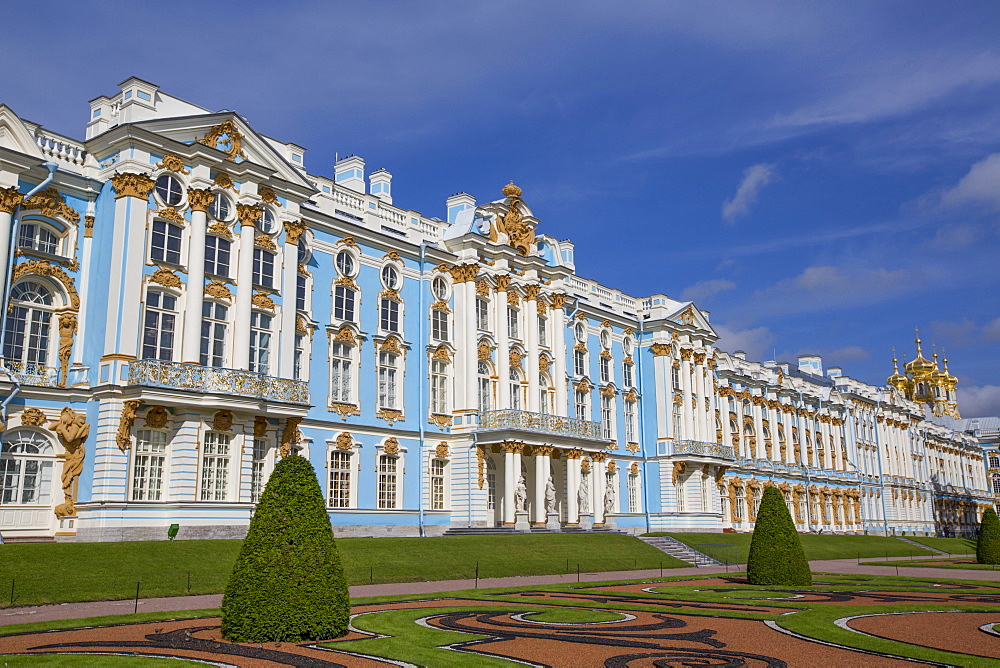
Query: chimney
{"points": [[381, 185], [811, 364], [740, 355], [834, 372], [350, 173], [458, 203]]}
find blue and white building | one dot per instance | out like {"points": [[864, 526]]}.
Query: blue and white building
{"points": [[188, 303]]}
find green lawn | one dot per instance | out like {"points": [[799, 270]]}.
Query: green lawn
{"points": [[734, 547], [930, 563], [63, 572], [949, 545]]}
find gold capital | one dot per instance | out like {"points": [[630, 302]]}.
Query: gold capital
{"points": [[294, 230], [248, 214], [9, 199], [200, 199]]}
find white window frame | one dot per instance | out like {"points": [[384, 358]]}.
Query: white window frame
{"points": [[484, 386], [14, 463], [440, 377], [438, 488], [343, 355], [214, 248], [261, 463], [261, 339], [390, 315], [166, 324], [30, 233], [483, 314], [345, 474], [389, 380], [388, 471], [172, 235], [608, 416], [581, 403], [36, 340], [215, 465], [264, 262], [342, 295], [439, 325], [513, 323], [214, 333]]}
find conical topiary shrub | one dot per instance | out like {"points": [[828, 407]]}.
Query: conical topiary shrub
{"points": [[288, 583], [988, 544], [776, 556]]}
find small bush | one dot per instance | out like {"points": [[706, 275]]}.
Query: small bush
{"points": [[988, 544], [776, 556], [288, 583]]}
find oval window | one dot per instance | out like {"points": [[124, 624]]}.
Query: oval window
{"points": [[390, 277], [168, 189], [345, 263]]}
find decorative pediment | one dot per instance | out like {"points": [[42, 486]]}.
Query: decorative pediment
{"points": [[511, 221], [689, 314]]}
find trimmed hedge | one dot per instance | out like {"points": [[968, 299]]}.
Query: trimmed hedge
{"points": [[288, 583], [988, 544], [776, 556]]}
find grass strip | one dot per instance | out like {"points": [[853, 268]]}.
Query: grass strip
{"points": [[735, 547], [933, 563]]}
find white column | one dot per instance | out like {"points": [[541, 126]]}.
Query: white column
{"points": [[758, 428], [471, 340], [772, 418], [558, 334], [87, 243], [503, 344], [191, 343], [244, 294], [686, 409], [600, 485], [9, 199], [541, 475], [125, 289], [530, 312], [510, 474], [572, 485], [289, 286], [544, 458], [464, 346]]}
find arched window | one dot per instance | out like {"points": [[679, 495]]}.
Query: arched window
{"points": [[38, 237], [485, 388], [25, 468], [515, 389], [544, 393], [29, 321]]}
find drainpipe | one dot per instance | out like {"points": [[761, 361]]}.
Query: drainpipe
{"points": [[422, 381], [642, 426], [9, 271]]}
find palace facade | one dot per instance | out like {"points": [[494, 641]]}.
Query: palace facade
{"points": [[187, 303]]}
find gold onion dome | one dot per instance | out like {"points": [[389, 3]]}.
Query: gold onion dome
{"points": [[937, 376], [896, 380], [510, 190], [950, 381], [920, 366]]}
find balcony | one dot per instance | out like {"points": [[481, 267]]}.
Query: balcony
{"points": [[46, 376], [540, 423], [701, 449], [212, 380]]}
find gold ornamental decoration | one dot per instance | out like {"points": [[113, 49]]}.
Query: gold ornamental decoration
{"points": [[265, 241], [441, 450], [248, 214], [544, 363], [679, 468], [129, 184], [156, 417], [515, 357], [390, 415], [345, 441], [52, 204], [200, 199], [531, 292], [391, 446], [67, 329], [660, 349], [513, 297], [227, 138], [290, 435], [346, 334], [166, 277], [220, 229], [268, 195], [88, 226], [520, 233], [172, 162], [223, 180], [124, 435], [482, 288], [441, 354], [441, 420], [464, 273], [169, 213], [484, 350], [558, 301], [260, 300], [72, 429], [218, 290], [10, 199], [223, 421], [260, 426], [391, 345], [344, 410], [32, 417], [294, 230], [480, 456], [542, 306], [502, 282]]}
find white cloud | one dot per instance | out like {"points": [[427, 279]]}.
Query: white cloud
{"points": [[955, 237], [847, 354], [980, 185], [755, 178], [966, 332], [821, 288], [982, 401], [756, 342], [703, 290]]}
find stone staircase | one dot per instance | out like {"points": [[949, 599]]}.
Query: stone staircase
{"points": [[921, 546], [677, 549]]}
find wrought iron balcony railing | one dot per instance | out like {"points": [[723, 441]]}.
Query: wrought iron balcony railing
{"points": [[702, 448], [33, 374], [205, 379], [542, 423]]}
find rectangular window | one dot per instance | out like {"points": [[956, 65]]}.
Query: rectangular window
{"points": [[630, 422], [215, 467], [386, 481], [439, 386], [513, 322], [437, 484], [165, 242], [579, 362], [300, 292], [148, 458], [605, 369], [38, 238], [214, 324], [158, 326], [485, 388], [628, 375], [633, 493], [439, 325], [341, 372], [388, 311], [300, 359], [582, 409], [543, 338], [340, 479], [607, 417], [257, 465], [263, 268], [260, 342], [343, 304], [482, 314], [217, 253], [675, 377], [386, 380]]}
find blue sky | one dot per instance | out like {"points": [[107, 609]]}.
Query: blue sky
{"points": [[822, 177]]}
